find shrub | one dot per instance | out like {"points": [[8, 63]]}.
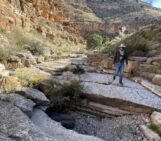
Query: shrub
{"points": [[155, 128], [78, 70], [94, 41], [71, 91], [4, 54], [36, 48], [9, 84], [2, 30], [145, 34], [28, 78]]}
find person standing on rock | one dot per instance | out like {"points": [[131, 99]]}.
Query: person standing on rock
{"points": [[120, 58]]}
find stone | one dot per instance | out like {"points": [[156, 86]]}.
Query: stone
{"points": [[18, 126], [107, 63], [27, 56], [139, 59], [157, 79], [149, 61], [157, 58], [156, 118], [39, 59], [148, 68], [70, 76], [13, 58], [55, 129], [133, 66], [149, 134], [27, 63], [26, 105], [52, 66], [73, 55], [147, 75], [31, 76], [152, 87], [98, 87], [68, 123], [156, 64], [33, 94], [2, 67]]}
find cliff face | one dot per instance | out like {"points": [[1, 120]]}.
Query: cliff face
{"points": [[80, 17]]}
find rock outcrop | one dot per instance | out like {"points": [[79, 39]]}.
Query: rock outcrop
{"points": [[79, 17], [55, 129]]}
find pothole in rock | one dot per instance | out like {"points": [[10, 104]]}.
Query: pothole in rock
{"points": [[123, 128]]}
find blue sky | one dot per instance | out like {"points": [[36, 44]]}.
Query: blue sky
{"points": [[155, 3]]}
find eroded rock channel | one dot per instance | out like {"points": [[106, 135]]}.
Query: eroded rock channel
{"points": [[107, 111], [87, 106]]}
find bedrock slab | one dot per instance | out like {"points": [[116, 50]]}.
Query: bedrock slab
{"points": [[132, 96]]}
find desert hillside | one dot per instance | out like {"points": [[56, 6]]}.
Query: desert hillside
{"points": [[57, 70], [77, 16]]}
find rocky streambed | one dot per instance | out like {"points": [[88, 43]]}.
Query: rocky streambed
{"points": [[105, 112], [122, 128]]}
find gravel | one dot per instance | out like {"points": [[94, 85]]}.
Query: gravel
{"points": [[125, 128]]}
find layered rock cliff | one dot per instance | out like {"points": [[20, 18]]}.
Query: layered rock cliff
{"points": [[77, 16]]}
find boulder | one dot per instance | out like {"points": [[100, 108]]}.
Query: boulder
{"points": [[131, 97], [3, 71], [152, 87], [39, 59], [27, 57], [55, 129], [26, 105], [156, 118], [17, 125], [157, 79], [31, 76], [147, 75], [2, 67], [107, 63], [157, 58], [68, 123], [149, 134], [138, 59], [148, 68], [149, 61], [13, 58], [69, 76], [133, 67], [27, 63], [156, 64], [33, 94]]}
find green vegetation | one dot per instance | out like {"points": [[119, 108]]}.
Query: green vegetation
{"points": [[155, 128], [60, 94], [4, 54], [78, 70], [29, 78], [2, 30], [142, 43], [36, 48], [94, 41]]}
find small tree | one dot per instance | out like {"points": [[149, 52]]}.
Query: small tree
{"points": [[94, 41]]}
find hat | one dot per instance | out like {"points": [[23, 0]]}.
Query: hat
{"points": [[122, 46]]}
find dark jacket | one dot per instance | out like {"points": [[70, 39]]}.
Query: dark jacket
{"points": [[120, 59]]}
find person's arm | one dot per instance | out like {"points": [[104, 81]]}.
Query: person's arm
{"points": [[126, 58], [115, 57]]}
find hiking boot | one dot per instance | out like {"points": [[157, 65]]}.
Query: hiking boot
{"points": [[121, 83]]}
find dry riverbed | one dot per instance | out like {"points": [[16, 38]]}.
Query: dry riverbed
{"points": [[125, 128]]}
